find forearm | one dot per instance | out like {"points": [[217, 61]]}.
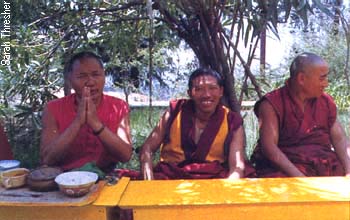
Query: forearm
{"points": [[342, 149], [151, 145], [277, 157], [146, 160], [53, 152], [236, 165], [236, 155], [119, 147], [341, 145]]}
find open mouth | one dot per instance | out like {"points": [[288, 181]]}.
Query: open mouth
{"points": [[207, 103]]}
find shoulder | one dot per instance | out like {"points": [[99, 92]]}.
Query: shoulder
{"points": [[271, 99], [176, 105], [234, 119], [115, 102], [275, 95], [61, 102], [326, 103], [325, 97]]}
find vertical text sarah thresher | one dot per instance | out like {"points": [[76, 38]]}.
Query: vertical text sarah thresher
{"points": [[5, 34]]}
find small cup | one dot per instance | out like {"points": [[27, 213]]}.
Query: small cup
{"points": [[14, 178]]}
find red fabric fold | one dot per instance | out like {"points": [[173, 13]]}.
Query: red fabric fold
{"points": [[5, 148]]}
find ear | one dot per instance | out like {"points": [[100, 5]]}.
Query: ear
{"points": [[222, 91], [189, 93], [301, 78]]}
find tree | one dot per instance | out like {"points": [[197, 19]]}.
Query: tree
{"points": [[213, 29], [45, 37], [119, 31]]}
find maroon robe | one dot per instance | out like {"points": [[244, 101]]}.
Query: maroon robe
{"points": [[304, 137], [5, 149], [195, 166]]}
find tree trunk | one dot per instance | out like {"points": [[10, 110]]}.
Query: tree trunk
{"points": [[202, 29]]}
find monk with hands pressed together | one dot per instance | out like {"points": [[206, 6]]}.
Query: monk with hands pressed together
{"points": [[86, 126]]}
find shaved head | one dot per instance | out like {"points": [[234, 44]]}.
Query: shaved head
{"points": [[303, 62]]}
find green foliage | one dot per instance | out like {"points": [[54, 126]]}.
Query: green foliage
{"points": [[141, 128], [251, 128], [48, 33], [25, 140], [333, 48]]}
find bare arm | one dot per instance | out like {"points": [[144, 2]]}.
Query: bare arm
{"points": [[341, 145], [53, 145], [152, 144], [236, 155], [269, 139], [119, 143]]}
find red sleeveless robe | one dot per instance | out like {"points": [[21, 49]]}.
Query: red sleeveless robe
{"points": [[304, 136], [87, 147]]}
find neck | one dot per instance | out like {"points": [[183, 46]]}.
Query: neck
{"points": [[298, 96], [202, 117]]}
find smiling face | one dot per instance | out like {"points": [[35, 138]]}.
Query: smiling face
{"points": [[206, 94], [88, 72]]}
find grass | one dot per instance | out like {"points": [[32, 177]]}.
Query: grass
{"points": [[141, 126]]}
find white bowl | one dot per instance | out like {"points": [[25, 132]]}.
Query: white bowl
{"points": [[76, 183], [8, 164]]}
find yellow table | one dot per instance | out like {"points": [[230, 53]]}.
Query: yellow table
{"points": [[102, 208], [318, 198]]}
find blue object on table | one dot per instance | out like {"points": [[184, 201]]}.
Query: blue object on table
{"points": [[9, 164]]}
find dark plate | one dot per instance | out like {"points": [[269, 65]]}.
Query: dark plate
{"points": [[43, 179]]}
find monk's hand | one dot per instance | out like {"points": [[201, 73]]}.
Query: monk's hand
{"points": [[233, 176], [91, 114], [82, 107]]}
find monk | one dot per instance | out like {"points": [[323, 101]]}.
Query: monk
{"points": [[198, 137], [299, 131], [5, 148], [87, 126]]}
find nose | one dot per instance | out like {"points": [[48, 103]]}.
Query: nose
{"points": [[206, 92], [89, 80], [325, 83]]}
